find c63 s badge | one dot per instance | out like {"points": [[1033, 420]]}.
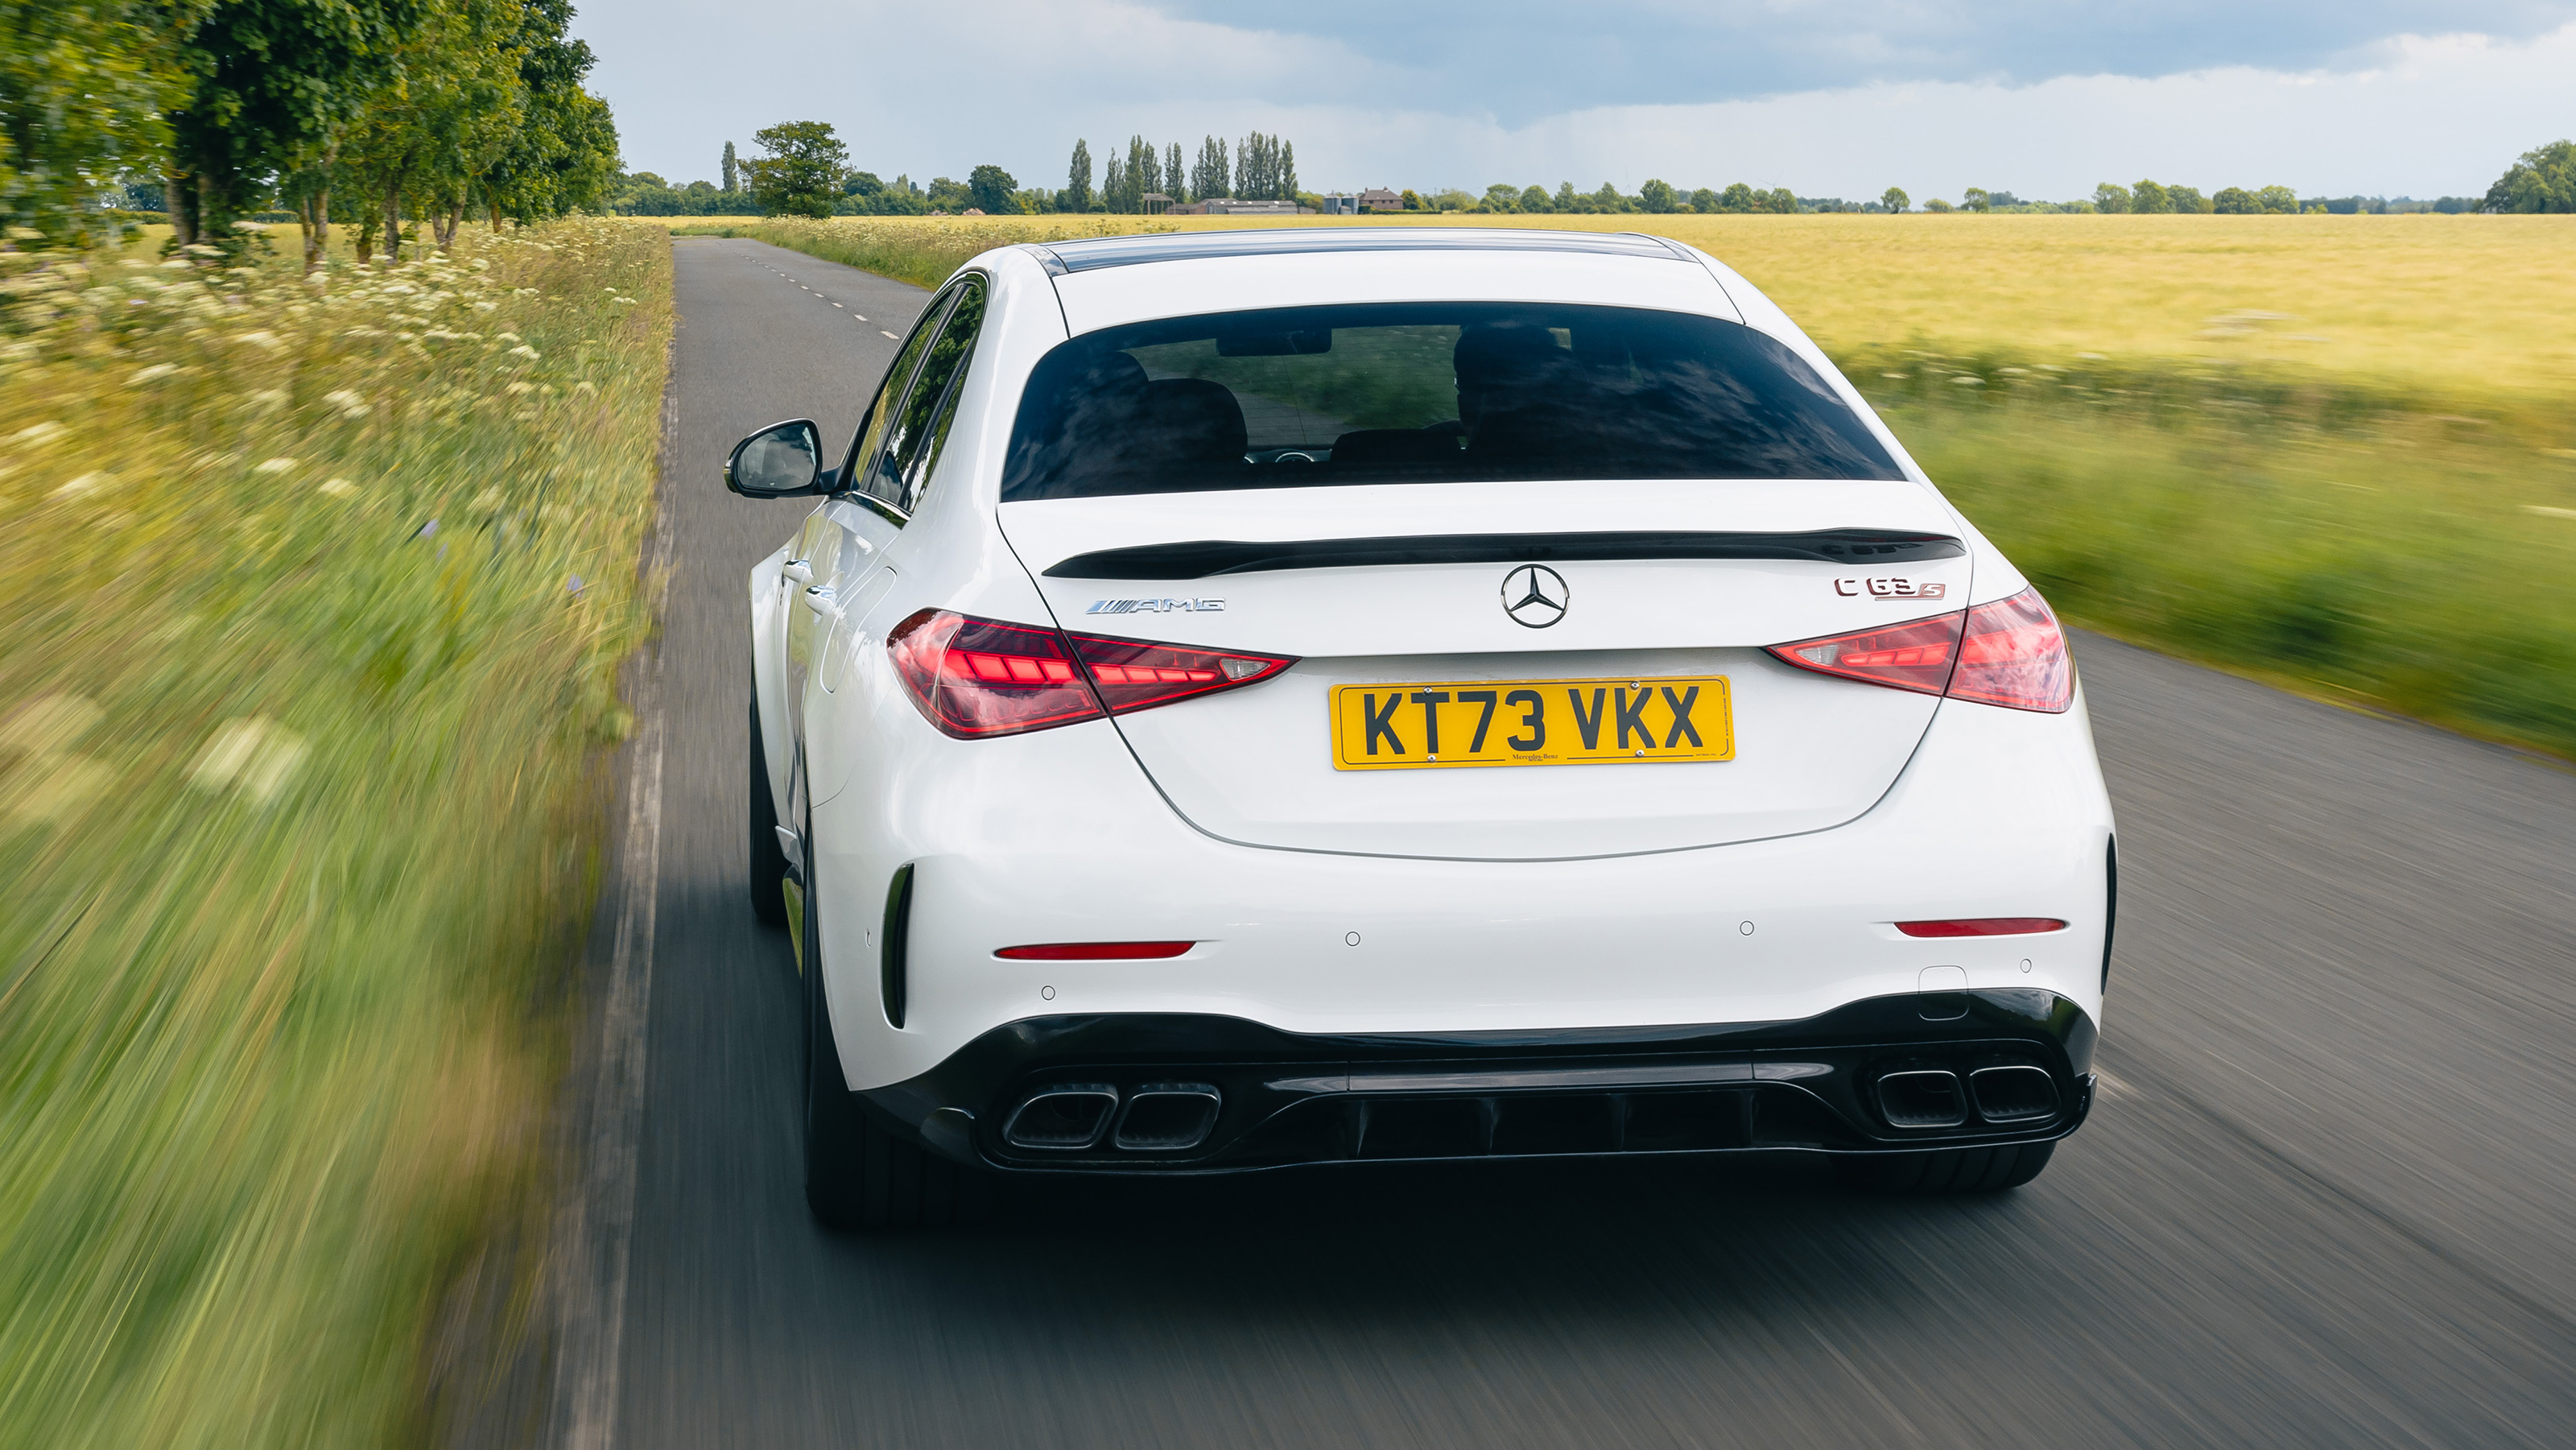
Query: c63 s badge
{"points": [[1854, 586]]}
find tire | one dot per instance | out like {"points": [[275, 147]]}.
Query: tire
{"points": [[1948, 1170], [768, 861], [862, 1172]]}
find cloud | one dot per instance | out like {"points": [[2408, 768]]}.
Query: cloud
{"points": [[1827, 100]]}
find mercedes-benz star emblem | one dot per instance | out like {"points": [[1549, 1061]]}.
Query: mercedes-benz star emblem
{"points": [[1535, 596]]}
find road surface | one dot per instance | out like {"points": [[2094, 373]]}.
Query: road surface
{"points": [[2328, 1197]]}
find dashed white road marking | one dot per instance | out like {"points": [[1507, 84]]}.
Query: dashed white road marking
{"points": [[882, 332]]}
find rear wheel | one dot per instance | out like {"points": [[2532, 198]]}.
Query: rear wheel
{"points": [[768, 861], [1949, 1170], [861, 1171]]}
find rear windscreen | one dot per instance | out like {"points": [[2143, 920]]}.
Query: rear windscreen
{"points": [[1426, 392]]}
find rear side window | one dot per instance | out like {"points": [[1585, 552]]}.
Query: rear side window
{"points": [[1430, 392], [902, 466]]}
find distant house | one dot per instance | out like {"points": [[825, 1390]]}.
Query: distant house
{"points": [[1378, 198]]}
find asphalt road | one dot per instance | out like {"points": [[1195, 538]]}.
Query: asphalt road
{"points": [[2327, 1199]]}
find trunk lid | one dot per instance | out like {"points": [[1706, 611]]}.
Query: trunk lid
{"points": [[1373, 586]]}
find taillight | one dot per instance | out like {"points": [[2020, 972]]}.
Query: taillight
{"points": [[2009, 653], [1913, 656], [2015, 655], [1131, 674], [1983, 926], [975, 678]]}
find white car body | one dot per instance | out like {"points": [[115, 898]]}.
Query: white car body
{"points": [[1473, 914]]}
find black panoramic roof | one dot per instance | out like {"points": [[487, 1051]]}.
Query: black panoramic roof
{"points": [[1093, 252]]}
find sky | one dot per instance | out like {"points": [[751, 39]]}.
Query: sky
{"points": [[2042, 98]]}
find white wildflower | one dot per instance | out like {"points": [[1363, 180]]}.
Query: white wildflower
{"points": [[487, 306], [86, 483], [267, 400], [157, 370], [263, 340], [517, 388], [275, 465], [39, 433], [339, 488], [251, 752], [49, 724], [586, 386], [348, 402], [525, 351], [507, 336]]}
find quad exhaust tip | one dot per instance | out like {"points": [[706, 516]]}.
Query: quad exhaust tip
{"points": [[1156, 1117], [2013, 1094], [1167, 1117], [1065, 1118], [1927, 1098]]}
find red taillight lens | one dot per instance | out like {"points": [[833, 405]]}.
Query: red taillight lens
{"points": [[1131, 674], [975, 677], [1983, 926], [2015, 655], [1916, 655], [1097, 951], [2009, 653]]}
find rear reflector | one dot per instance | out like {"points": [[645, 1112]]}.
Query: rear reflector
{"points": [[1096, 951], [1983, 926], [2008, 653], [975, 678]]}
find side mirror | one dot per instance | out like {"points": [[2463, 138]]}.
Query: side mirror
{"points": [[780, 461]]}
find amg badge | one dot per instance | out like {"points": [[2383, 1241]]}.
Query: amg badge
{"points": [[1155, 606]]}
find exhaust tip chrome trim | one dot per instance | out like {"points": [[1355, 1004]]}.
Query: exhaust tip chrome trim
{"points": [[1167, 1117]]}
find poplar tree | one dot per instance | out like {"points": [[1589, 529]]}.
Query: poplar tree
{"points": [[729, 164], [1172, 173], [1077, 183]]}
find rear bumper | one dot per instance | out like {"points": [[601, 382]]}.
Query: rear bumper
{"points": [[1913, 1071]]}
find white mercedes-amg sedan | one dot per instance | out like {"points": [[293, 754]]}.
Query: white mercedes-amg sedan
{"points": [[1263, 698]]}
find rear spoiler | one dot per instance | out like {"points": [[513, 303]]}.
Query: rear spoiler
{"points": [[1204, 558]]}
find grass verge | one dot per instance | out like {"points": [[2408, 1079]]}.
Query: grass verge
{"points": [[2386, 517], [314, 591]]}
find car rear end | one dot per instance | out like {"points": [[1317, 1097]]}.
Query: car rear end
{"points": [[1456, 703]]}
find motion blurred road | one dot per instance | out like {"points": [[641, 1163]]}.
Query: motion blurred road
{"points": [[2327, 1198]]}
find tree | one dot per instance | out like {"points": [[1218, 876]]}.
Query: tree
{"points": [[2278, 200], [1657, 195], [2544, 180], [271, 84], [1412, 199], [1534, 199], [2111, 196], [1501, 196], [2187, 199], [1566, 198], [85, 86], [1977, 198], [1937, 205], [1265, 168], [1895, 199], [564, 154], [729, 164], [1782, 200], [802, 172], [1077, 181], [2234, 201], [991, 188], [1212, 175], [2148, 198], [1172, 181]]}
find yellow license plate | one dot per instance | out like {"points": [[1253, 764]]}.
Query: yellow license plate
{"points": [[1532, 722]]}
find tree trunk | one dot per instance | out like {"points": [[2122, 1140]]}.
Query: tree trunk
{"points": [[496, 215], [393, 222], [178, 198]]}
